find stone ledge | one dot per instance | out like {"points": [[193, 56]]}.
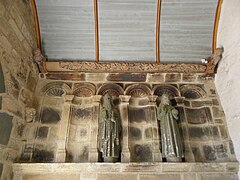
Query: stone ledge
{"points": [[146, 168]]}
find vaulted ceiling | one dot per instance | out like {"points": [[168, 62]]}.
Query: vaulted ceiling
{"points": [[128, 30]]}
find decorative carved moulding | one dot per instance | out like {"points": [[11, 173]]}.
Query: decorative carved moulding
{"points": [[209, 65], [103, 67]]}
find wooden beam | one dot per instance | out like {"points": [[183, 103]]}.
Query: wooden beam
{"points": [[96, 30], [216, 23], [158, 31], [37, 27]]}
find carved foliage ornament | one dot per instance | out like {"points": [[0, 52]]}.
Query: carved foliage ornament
{"points": [[130, 67]]}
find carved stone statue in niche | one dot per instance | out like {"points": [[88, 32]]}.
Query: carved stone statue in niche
{"points": [[171, 139], [109, 131]]}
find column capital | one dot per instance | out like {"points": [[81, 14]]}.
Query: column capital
{"points": [[68, 97], [179, 100], [152, 98], [124, 98], [97, 98]]}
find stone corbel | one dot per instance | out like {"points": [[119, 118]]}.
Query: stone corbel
{"points": [[123, 109], [212, 61], [40, 60], [157, 157]]}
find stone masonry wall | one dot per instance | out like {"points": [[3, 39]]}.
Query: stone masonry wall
{"points": [[18, 78], [67, 115]]}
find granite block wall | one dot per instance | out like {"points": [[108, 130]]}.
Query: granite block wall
{"points": [[18, 78]]}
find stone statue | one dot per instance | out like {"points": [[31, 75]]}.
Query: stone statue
{"points": [[109, 131], [171, 140]]}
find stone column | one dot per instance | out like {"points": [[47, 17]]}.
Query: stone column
{"points": [[123, 109], [157, 156], [64, 128], [93, 152]]}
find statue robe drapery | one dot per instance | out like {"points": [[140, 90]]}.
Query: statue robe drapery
{"points": [[171, 139]]}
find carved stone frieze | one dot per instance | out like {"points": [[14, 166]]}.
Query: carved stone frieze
{"points": [[124, 67], [112, 89], [138, 90], [169, 89], [84, 90]]}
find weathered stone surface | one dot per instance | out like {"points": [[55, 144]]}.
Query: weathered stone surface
{"points": [[1, 169], [197, 154], [160, 177], [217, 113], [82, 113], [116, 176], [42, 132], [198, 116], [127, 77], [219, 121], [66, 76], [135, 133], [2, 82], [52, 177], [182, 117], [215, 102], [188, 77], [50, 116], [221, 151], [189, 177], [0, 102], [20, 129], [218, 177], [156, 77], [148, 133], [201, 103], [5, 128], [31, 82], [186, 103], [84, 154], [172, 77], [231, 147], [201, 133], [141, 153], [209, 153], [215, 132], [42, 156], [137, 114]]}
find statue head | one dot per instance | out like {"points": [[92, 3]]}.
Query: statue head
{"points": [[165, 99], [107, 101]]}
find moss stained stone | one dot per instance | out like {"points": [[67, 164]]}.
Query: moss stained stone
{"points": [[5, 128], [1, 169], [50, 116], [209, 153], [198, 116], [142, 153], [135, 133], [2, 83]]}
